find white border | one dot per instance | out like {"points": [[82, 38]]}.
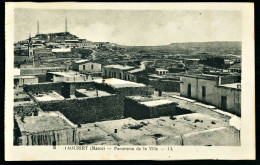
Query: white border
{"points": [[245, 151]]}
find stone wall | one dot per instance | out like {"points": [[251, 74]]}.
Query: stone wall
{"points": [[127, 91], [87, 110], [135, 110], [41, 78], [139, 111], [36, 71], [26, 110], [135, 91], [43, 87], [166, 85], [69, 88]]}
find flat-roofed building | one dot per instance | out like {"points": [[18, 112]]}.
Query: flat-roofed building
{"points": [[146, 107], [65, 76], [229, 97], [205, 88], [87, 66], [46, 128], [20, 81], [161, 71], [116, 71], [122, 87]]}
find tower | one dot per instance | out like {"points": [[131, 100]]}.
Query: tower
{"points": [[30, 49], [65, 24], [38, 28]]}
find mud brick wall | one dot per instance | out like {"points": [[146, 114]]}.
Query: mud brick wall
{"points": [[79, 94], [70, 87], [43, 87], [135, 91], [166, 85], [127, 91], [212, 137], [135, 110], [87, 110], [25, 110], [105, 87], [162, 110]]}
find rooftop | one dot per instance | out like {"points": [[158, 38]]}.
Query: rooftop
{"points": [[67, 74], [121, 67], [136, 70], [156, 131], [48, 96], [81, 61], [118, 83], [45, 121], [93, 93], [154, 103], [202, 76], [161, 69], [143, 99], [24, 77], [233, 85]]}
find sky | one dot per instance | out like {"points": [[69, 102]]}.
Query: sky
{"points": [[133, 27]]}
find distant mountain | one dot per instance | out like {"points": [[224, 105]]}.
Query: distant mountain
{"points": [[190, 49]]}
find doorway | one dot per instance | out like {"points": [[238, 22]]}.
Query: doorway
{"points": [[189, 90], [223, 102]]}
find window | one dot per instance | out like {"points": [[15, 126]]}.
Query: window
{"points": [[92, 66], [84, 67], [203, 91]]}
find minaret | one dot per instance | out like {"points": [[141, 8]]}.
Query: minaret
{"points": [[65, 24], [38, 28], [30, 50]]}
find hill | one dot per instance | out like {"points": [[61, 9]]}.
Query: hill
{"points": [[190, 49]]}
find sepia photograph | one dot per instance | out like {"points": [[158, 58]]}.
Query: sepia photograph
{"points": [[106, 79]]}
